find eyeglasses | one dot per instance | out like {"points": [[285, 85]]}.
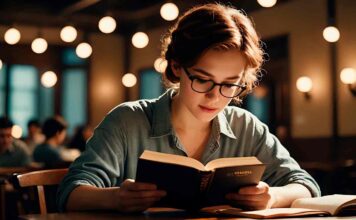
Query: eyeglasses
{"points": [[203, 86]]}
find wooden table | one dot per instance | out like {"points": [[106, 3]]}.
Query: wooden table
{"points": [[160, 216]]}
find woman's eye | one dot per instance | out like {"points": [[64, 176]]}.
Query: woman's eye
{"points": [[229, 86], [201, 80]]}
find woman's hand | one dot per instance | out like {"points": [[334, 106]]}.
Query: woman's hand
{"points": [[137, 197], [252, 197]]}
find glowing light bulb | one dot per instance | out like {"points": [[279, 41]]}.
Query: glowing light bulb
{"points": [[107, 24], [348, 75], [129, 80], [39, 45], [0, 64], [83, 50], [49, 79], [68, 34], [160, 65], [169, 11], [267, 3], [304, 84], [331, 34], [16, 131], [12, 36], [140, 40]]}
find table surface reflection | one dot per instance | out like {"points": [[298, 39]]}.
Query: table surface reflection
{"points": [[152, 214]]}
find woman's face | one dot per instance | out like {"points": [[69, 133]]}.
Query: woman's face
{"points": [[218, 66]]}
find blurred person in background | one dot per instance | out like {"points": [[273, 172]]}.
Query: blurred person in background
{"points": [[49, 153], [34, 135], [80, 137], [13, 152]]}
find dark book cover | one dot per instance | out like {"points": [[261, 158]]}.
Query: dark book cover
{"points": [[191, 188], [181, 183], [230, 179]]}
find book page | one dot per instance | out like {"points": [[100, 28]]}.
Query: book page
{"points": [[272, 213], [172, 159], [231, 161], [330, 203]]}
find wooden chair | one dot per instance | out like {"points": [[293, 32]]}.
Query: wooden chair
{"points": [[6, 188], [41, 179]]}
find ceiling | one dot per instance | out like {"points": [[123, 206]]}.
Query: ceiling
{"points": [[131, 15]]}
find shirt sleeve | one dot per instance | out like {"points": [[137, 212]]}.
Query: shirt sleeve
{"points": [[281, 168], [100, 165]]}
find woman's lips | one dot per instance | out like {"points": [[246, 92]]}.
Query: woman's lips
{"points": [[207, 109]]}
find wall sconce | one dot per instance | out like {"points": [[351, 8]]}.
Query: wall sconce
{"points": [[304, 85], [348, 77]]}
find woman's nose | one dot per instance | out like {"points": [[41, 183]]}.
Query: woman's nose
{"points": [[214, 93]]}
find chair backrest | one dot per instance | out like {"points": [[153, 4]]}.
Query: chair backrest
{"points": [[40, 179]]}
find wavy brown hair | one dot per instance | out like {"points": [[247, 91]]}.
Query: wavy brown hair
{"points": [[212, 26]]}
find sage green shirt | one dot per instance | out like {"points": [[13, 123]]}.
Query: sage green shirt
{"points": [[17, 155], [130, 128]]}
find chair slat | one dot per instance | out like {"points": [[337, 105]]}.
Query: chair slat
{"points": [[40, 179], [42, 199]]}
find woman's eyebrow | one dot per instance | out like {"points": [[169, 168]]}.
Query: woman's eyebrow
{"points": [[212, 76]]}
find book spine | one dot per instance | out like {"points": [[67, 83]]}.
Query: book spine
{"points": [[205, 178]]}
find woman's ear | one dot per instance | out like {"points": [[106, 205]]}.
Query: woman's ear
{"points": [[176, 68]]}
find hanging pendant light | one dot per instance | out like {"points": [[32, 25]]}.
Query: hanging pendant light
{"points": [[12, 36], [107, 24], [69, 34]]}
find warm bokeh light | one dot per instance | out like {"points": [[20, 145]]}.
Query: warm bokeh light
{"points": [[140, 40], [0, 64], [169, 11], [348, 75], [160, 65], [12, 36], [83, 50], [129, 80], [49, 79], [107, 24], [39, 45], [16, 131], [304, 84], [331, 34], [267, 3], [68, 34]]}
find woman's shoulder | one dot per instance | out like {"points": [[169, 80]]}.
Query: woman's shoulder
{"points": [[129, 113], [132, 108], [242, 119], [235, 112]]}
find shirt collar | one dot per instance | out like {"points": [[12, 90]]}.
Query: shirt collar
{"points": [[161, 121], [223, 125]]}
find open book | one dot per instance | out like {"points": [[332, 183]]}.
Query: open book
{"points": [[191, 185], [326, 205]]}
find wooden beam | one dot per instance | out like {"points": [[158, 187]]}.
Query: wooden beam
{"points": [[78, 6]]}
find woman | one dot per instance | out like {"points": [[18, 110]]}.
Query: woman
{"points": [[214, 56]]}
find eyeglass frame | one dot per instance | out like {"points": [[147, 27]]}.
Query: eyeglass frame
{"points": [[192, 77]]}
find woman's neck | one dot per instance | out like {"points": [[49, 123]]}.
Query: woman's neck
{"points": [[183, 120]]}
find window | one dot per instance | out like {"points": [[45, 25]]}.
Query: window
{"points": [[46, 101], [74, 90], [2, 89], [23, 93], [150, 84], [74, 98], [22, 97]]}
